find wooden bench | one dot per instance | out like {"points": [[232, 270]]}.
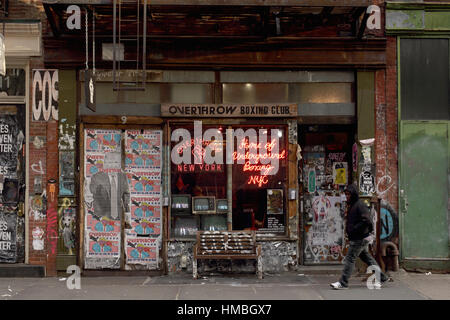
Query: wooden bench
{"points": [[227, 245]]}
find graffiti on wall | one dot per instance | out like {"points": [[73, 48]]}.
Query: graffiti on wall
{"points": [[52, 233], [67, 226]]}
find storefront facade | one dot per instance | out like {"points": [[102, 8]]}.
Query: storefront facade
{"points": [[20, 42], [421, 33], [173, 155]]}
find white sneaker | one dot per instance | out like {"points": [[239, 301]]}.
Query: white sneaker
{"points": [[338, 286]]}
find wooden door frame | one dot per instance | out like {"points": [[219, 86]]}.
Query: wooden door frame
{"points": [[115, 122]]}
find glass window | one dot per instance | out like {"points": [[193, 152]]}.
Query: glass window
{"points": [[196, 188], [321, 92], [305, 92], [258, 180], [255, 93], [12, 83], [155, 93], [259, 184]]}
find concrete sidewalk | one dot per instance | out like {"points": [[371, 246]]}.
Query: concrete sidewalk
{"points": [[286, 286]]}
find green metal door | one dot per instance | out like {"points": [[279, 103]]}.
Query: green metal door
{"points": [[424, 191]]}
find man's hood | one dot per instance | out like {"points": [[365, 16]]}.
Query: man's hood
{"points": [[354, 196]]}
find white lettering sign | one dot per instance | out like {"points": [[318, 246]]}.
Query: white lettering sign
{"points": [[45, 95]]}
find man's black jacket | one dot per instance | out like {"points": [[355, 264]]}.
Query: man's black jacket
{"points": [[359, 223]]}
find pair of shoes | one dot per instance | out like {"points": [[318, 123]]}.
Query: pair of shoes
{"points": [[338, 286], [388, 279]]}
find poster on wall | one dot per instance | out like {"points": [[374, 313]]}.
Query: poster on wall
{"points": [[366, 180], [143, 167], [142, 251], [103, 244], [340, 173], [325, 236], [10, 144], [66, 173], [106, 195], [275, 201], [8, 234], [122, 187]]}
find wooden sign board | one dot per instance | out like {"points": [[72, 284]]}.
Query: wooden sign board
{"points": [[279, 110]]}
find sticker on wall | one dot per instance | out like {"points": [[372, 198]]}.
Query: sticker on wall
{"points": [[311, 180], [67, 226], [37, 207], [38, 239], [66, 173], [366, 155], [366, 181], [340, 173]]}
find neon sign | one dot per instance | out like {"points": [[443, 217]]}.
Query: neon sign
{"points": [[264, 169]]}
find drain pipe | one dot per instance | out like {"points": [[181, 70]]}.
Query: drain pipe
{"points": [[394, 252]]}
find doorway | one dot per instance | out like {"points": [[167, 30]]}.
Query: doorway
{"points": [[122, 198], [324, 171]]}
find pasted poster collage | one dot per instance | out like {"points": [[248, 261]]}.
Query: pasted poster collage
{"points": [[143, 166], [325, 174], [12, 185], [106, 192], [127, 190]]}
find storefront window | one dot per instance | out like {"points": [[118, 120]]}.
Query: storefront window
{"points": [[198, 188], [12, 83], [304, 92], [257, 181], [259, 188], [155, 93]]}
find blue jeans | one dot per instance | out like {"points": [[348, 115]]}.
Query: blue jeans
{"points": [[358, 248]]}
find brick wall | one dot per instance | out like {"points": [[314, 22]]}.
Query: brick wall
{"points": [[44, 165], [386, 127]]}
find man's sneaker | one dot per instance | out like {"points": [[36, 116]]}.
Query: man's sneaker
{"points": [[338, 286]]}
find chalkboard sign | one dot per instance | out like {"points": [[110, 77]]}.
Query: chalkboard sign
{"points": [[8, 233]]}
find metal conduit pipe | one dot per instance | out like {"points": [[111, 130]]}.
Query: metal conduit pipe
{"points": [[394, 252]]}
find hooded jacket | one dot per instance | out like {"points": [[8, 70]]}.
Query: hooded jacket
{"points": [[359, 224]]}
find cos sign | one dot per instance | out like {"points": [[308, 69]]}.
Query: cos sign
{"points": [[45, 95]]}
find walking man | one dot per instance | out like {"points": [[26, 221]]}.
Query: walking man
{"points": [[358, 228]]}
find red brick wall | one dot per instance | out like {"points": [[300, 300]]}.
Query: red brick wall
{"points": [[47, 156], [386, 127]]}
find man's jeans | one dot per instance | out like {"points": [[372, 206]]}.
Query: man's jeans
{"points": [[358, 248]]}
